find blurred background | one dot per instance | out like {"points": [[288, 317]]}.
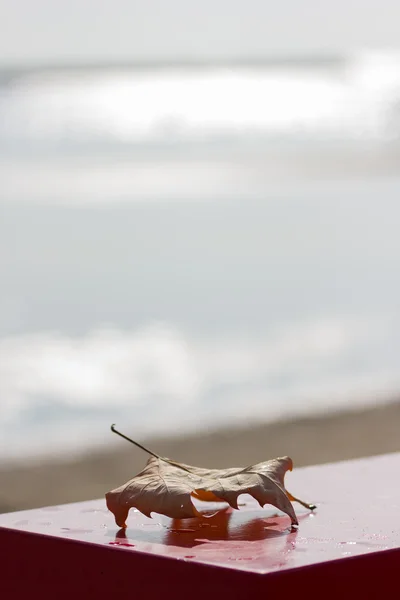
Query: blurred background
{"points": [[199, 236]]}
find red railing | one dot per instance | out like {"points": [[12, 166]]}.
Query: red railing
{"points": [[348, 548]]}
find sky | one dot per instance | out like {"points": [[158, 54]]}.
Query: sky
{"points": [[81, 31]]}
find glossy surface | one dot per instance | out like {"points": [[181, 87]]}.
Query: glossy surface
{"points": [[358, 513]]}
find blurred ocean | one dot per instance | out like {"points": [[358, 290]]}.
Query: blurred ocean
{"points": [[188, 246]]}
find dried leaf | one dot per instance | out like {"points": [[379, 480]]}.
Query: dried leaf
{"points": [[167, 487]]}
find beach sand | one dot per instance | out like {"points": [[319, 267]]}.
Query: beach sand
{"points": [[311, 440]]}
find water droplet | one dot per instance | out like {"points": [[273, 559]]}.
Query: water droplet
{"points": [[21, 523], [347, 543], [69, 530], [244, 558], [118, 543]]}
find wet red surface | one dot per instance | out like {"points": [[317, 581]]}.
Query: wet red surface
{"points": [[358, 508]]}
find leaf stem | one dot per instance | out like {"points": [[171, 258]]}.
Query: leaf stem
{"points": [[305, 504], [167, 460], [135, 443]]}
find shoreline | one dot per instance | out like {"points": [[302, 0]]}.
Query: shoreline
{"points": [[335, 436]]}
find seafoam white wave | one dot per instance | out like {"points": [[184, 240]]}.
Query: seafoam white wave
{"points": [[59, 392], [357, 100], [106, 136]]}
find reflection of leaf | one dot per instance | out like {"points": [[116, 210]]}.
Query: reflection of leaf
{"points": [[189, 533], [167, 487]]}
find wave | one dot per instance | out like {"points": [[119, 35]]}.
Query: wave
{"points": [[172, 107], [59, 393]]}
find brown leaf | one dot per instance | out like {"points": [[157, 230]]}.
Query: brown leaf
{"points": [[167, 487]]}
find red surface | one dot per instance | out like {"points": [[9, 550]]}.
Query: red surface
{"points": [[350, 545]]}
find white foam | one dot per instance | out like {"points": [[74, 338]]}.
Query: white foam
{"points": [[356, 101], [59, 392]]}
